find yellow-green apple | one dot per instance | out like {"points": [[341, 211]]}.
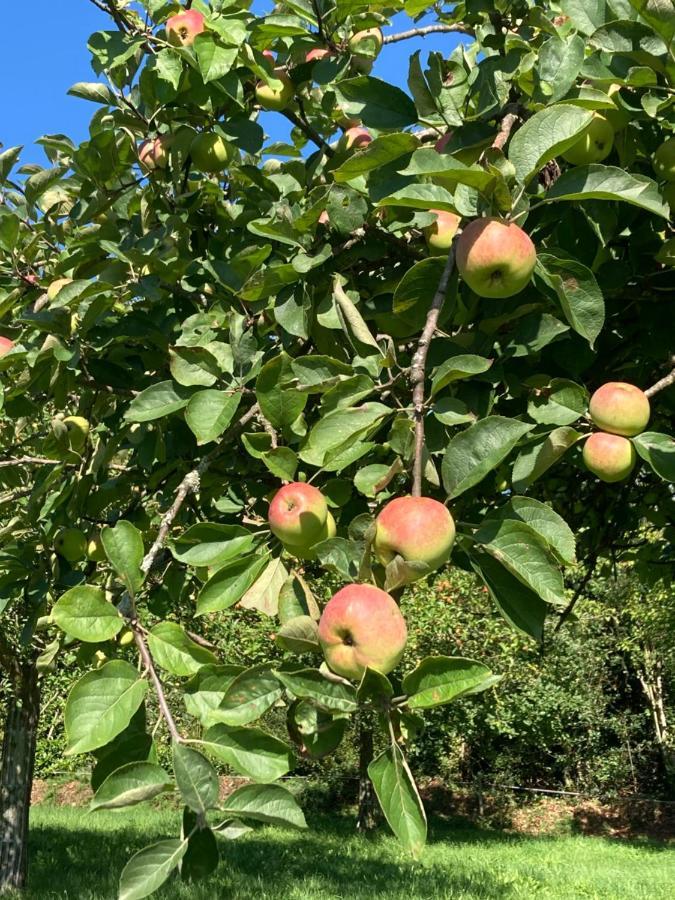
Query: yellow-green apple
{"points": [[364, 47], [56, 286], [71, 544], [440, 233], [361, 626], [495, 258], [152, 154], [95, 551], [5, 345], [303, 551], [669, 197], [417, 528], [664, 160], [182, 29], [78, 430], [210, 152], [593, 144], [125, 637], [620, 408], [609, 456], [297, 514], [355, 139], [274, 98]]}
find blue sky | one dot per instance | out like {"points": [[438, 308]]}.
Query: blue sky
{"points": [[48, 54]]}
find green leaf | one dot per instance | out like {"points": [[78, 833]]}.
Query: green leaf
{"points": [[204, 692], [421, 196], [560, 402], [249, 751], [209, 413], [578, 292], [229, 584], [427, 161], [546, 522], [282, 462], [299, 635], [148, 869], [85, 614], [519, 548], [193, 366], [399, 798], [196, 778], [132, 783], [123, 546], [267, 803], [659, 14], [316, 732], [249, 695], [464, 365], [547, 134], [659, 451], [439, 679], [174, 651], [378, 104], [280, 404], [378, 153], [353, 323], [374, 686], [520, 606], [263, 594], [209, 544], [157, 401], [341, 426], [93, 90], [201, 857], [538, 457], [558, 67], [214, 60], [101, 704], [474, 452], [598, 182], [311, 684]]}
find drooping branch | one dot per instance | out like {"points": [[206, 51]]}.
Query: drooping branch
{"points": [[418, 368], [425, 30], [662, 383]]}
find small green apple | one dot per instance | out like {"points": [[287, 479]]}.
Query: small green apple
{"points": [[78, 431], [210, 153], [593, 144], [71, 544], [275, 98]]}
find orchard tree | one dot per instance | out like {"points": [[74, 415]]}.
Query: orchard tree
{"points": [[230, 365]]}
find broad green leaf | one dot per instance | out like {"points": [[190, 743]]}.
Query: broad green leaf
{"points": [[546, 135], [464, 365], [92, 90], [398, 796], [193, 366], [560, 402], [263, 595], [659, 451], [546, 522], [157, 401], [268, 803], [473, 453], [378, 104], [316, 732], [282, 462], [598, 182], [439, 679], [148, 869], [100, 705], [249, 751], [204, 692], [249, 696], [374, 686], [539, 456], [578, 292], [421, 196], [296, 599], [209, 544], [123, 545], [427, 161], [520, 606], [196, 778], [559, 63], [229, 584], [85, 614], [311, 684], [378, 153], [281, 404], [214, 60], [660, 15], [342, 425], [132, 783], [209, 413], [173, 650], [353, 324]]}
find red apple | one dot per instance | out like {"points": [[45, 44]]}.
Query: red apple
{"points": [[609, 456], [495, 258], [620, 408], [297, 514], [5, 345], [416, 528], [361, 626], [317, 53], [152, 154], [355, 138], [440, 234], [182, 29]]}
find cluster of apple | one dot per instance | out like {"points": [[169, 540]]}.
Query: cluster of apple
{"points": [[620, 411], [362, 626]]}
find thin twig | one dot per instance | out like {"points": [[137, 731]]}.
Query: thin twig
{"points": [[307, 129], [418, 366], [505, 127], [29, 461], [424, 31], [661, 384], [146, 656], [581, 587]]}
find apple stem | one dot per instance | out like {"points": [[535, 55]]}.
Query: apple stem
{"points": [[418, 366]]}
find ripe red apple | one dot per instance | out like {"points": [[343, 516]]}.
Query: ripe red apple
{"points": [[210, 152], [275, 98], [620, 408], [416, 528], [297, 514], [5, 345], [303, 551], [182, 29], [495, 258], [364, 47], [317, 53], [440, 233], [152, 154], [594, 144], [664, 160], [609, 456], [355, 138], [362, 626]]}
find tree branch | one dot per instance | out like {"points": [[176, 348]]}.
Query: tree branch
{"points": [[662, 383], [307, 130], [418, 366], [29, 461], [146, 656], [504, 132], [424, 31]]}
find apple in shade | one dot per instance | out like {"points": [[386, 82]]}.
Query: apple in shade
{"points": [[664, 160], [594, 143], [182, 29], [317, 53], [495, 258], [152, 154], [275, 98], [416, 528], [297, 514], [78, 430], [442, 142], [620, 408], [355, 138], [301, 551], [210, 153], [56, 286], [5, 345], [95, 551], [609, 456], [364, 47], [71, 544], [361, 626], [440, 233]]}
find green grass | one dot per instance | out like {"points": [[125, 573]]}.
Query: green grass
{"points": [[76, 854]]}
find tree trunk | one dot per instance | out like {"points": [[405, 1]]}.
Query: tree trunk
{"points": [[366, 817], [16, 778]]}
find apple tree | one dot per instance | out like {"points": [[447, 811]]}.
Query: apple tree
{"points": [[434, 325]]}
